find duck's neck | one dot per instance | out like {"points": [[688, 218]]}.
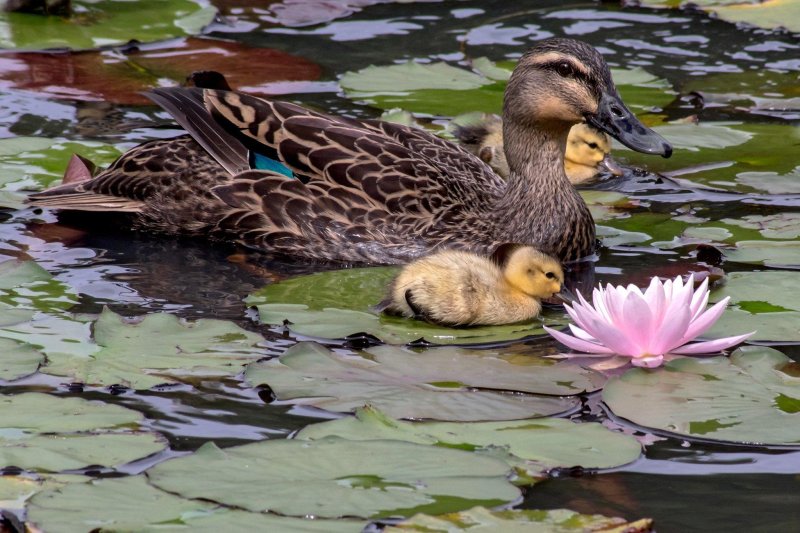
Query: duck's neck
{"points": [[540, 206]]}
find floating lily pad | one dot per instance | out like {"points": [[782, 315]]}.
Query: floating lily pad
{"points": [[521, 521], [130, 503], [16, 490], [338, 303], [43, 432], [764, 91], [33, 163], [767, 302], [751, 398], [336, 477], [768, 14], [777, 226], [770, 253], [18, 360], [772, 182], [441, 384], [160, 348], [442, 89], [24, 284], [534, 446], [97, 23]]}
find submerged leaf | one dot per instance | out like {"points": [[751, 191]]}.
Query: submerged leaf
{"points": [[336, 477], [746, 398], [534, 446], [441, 383]]}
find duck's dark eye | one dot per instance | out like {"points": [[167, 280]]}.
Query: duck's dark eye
{"points": [[550, 275], [564, 69], [593, 146]]}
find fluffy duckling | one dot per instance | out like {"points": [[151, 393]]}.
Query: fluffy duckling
{"points": [[587, 153], [456, 288]]}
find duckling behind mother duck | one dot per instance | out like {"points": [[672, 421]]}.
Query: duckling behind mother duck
{"points": [[281, 178]]}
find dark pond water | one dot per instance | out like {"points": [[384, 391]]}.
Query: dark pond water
{"points": [[684, 486]]}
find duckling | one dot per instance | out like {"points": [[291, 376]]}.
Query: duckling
{"points": [[587, 154], [456, 288]]}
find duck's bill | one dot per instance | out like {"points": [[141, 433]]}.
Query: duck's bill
{"points": [[617, 120]]}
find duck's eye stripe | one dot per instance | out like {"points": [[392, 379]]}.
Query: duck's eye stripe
{"points": [[559, 65]]}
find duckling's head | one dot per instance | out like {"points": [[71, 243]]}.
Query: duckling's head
{"points": [[588, 153], [529, 270], [560, 82]]}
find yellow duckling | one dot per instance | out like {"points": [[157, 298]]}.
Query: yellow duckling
{"points": [[587, 153], [456, 288]]}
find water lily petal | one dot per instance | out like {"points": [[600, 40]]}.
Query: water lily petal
{"points": [[672, 329], [636, 321], [701, 324], [710, 346], [699, 299], [578, 332], [578, 344], [651, 361], [615, 339]]}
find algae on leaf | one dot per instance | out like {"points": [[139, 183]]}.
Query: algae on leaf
{"points": [[519, 521], [748, 398], [160, 348], [533, 446], [440, 383], [336, 477]]}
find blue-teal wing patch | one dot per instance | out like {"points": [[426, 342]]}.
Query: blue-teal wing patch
{"points": [[262, 162]]}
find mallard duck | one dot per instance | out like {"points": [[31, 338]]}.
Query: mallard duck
{"points": [[284, 179], [457, 288], [587, 155]]}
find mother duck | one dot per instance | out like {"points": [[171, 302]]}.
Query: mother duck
{"points": [[283, 179]]}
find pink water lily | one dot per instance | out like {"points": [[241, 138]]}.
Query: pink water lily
{"points": [[647, 327]]}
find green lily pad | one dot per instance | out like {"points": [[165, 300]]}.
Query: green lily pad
{"points": [[33, 163], [16, 490], [97, 23], [767, 302], [777, 226], [336, 477], [445, 90], [24, 284], [442, 384], [769, 253], [336, 304], [749, 398], [517, 520], [158, 349], [768, 14], [533, 446], [761, 90], [54, 335], [18, 360], [772, 182], [131, 504], [47, 433]]}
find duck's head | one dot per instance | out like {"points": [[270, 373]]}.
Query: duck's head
{"points": [[588, 153], [560, 82], [529, 270]]}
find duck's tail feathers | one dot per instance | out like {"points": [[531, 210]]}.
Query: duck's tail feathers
{"points": [[188, 108], [71, 196]]}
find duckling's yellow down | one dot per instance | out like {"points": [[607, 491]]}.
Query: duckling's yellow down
{"points": [[458, 288]]}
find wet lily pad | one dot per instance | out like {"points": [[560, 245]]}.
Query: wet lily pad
{"points": [[768, 14], [533, 521], [33, 163], [43, 432], [24, 284], [749, 398], [160, 348], [130, 503], [97, 23], [533, 446], [769, 253], [336, 477], [442, 384], [16, 490], [338, 303], [768, 302], [444, 90], [18, 360]]}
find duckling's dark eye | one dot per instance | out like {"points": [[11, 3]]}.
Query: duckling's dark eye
{"points": [[593, 146], [530, 271], [550, 275], [564, 69]]}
